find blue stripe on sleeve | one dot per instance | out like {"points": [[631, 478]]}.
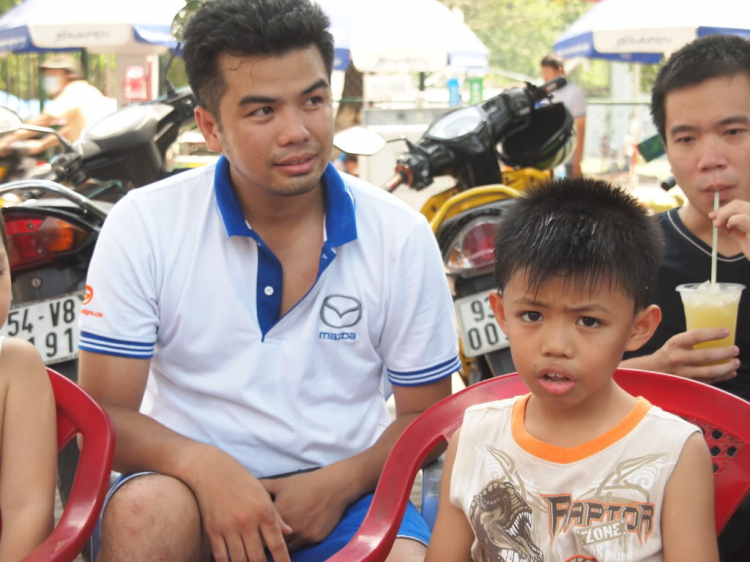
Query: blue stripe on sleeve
{"points": [[119, 348], [425, 376], [428, 370]]}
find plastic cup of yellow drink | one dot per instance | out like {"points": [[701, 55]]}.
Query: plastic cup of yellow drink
{"points": [[708, 306]]}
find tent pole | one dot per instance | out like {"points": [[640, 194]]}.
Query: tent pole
{"points": [[85, 63], [635, 123], [40, 79]]}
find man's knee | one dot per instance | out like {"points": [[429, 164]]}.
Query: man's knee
{"points": [[407, 550], [152, 514]]}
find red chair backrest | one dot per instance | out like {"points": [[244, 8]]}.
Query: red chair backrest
{"points": [[723, 418], [706, 406], [78, 413]]}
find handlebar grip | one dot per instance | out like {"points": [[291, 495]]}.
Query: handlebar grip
{"points": [[543, 91], [394, 182], [668, 184]]}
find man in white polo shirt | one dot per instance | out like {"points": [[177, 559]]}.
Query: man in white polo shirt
{"points": [[241, 318]]}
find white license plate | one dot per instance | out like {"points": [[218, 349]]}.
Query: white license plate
{"points": [[478, 329], [51, 325]]}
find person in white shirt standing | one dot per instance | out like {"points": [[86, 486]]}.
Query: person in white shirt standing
{"points": [[241, 318], [574, 99], [74, 105]]}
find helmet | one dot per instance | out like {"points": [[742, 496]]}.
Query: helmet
{"points": [[65, 62], [545, 143]]}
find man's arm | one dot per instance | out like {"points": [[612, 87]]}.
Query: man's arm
{"points": [[41, 120], [677, 357], [410, 402], [313, 503], [235, 509], [580, 123], [143, 444], [688, 527], [73, 125]]}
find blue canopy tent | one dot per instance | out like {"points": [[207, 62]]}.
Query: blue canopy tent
{"points": [[642, 31], [127, 27]]}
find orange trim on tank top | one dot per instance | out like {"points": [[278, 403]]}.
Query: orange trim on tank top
{"points": [[567, 455]]}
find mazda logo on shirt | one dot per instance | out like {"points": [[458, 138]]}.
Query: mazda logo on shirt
{"points": [[339, 311]]}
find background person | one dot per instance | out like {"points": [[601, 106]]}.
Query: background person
{"points": [[74, 105], [574, 99]]}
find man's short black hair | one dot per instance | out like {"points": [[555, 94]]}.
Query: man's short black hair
{"points": [[714, 56], [553, 61], [585, 230], [249, 27]]}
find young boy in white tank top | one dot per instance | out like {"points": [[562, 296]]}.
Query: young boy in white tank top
{"points": [[28, 437], [577, 470]]}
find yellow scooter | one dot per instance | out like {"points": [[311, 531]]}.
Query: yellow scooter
{"points": [[494, 151]]}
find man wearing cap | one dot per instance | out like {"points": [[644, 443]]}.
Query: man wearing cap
{"points": [[74, 105]]}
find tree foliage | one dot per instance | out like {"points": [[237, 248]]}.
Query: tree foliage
{"points": [[519, 33]]}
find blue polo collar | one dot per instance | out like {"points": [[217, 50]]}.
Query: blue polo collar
{"points": [[341, 224]]}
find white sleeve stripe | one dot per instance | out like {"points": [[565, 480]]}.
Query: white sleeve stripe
{"points": [[123, 346], [115, 350], [424, 378]]}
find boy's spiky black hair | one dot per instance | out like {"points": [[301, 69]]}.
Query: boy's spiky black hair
{"points": [[585, 230]]}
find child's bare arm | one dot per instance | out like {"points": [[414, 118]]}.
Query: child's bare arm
{"points": [[452, 535], [28, 464], [688, 526]]}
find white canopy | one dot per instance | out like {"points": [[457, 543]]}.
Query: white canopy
{"points": [[402, 36]]}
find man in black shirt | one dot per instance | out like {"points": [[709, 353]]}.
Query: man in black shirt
{"points": [[701, 106], [688, 260]]}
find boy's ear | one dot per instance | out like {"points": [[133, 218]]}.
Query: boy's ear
{"points": [[498, 308], [644, 326]]}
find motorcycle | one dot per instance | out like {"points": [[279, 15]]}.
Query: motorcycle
{"points": [[53, 230], [493, 151]]}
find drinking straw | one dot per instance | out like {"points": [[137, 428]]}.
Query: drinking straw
{"points": [[714, 243]]}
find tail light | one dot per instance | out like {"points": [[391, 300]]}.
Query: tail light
{"points": [[34, 238], [473, 247]]}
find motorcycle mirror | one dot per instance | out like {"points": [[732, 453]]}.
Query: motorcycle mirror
{"points": [[179, 23], [9, 121], [359, 140]]}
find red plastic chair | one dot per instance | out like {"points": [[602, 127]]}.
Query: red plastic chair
{"points": [[78, 413], [724, 419]]}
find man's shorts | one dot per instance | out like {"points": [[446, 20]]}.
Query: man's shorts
{"points": [[412, 527]]}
